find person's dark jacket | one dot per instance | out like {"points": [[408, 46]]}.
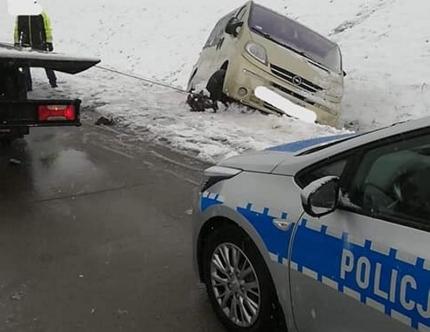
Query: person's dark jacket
{"points": [[34, 32]]}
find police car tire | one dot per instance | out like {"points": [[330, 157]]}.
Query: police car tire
{"points": [[269, 318]]}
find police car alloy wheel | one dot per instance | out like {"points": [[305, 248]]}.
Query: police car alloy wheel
{"points": [[235, 284], [238, 283]]}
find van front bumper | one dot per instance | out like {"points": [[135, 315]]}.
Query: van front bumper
{"points": [[248, 76]]}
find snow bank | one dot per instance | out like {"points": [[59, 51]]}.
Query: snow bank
{"points": [[161, 115], [385, 45]]}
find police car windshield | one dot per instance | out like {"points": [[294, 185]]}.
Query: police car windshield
{"points": [[347, 138], [324, 146], [295, 36]]}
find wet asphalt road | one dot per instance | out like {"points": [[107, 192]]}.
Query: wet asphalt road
{"points": [[95, 235]]}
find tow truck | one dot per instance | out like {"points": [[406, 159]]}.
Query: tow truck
{"points": [[18, 113]]}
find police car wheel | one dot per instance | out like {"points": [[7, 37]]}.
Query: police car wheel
{"points": [[238, 282]]}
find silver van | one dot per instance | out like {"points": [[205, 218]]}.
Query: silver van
{"points": [[254, 46]]}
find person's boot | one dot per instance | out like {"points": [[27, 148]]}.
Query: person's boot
{"points": [[54, 85], [215, 106]]}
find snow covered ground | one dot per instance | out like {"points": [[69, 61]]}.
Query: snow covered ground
{"points": [[161, 115], [385, 45]]}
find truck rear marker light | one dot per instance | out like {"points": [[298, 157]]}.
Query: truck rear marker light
{"points": [[56, 113]]}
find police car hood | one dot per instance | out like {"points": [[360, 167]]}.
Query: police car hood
{"points": [[29, 58], [262, 162], [266, 161]]}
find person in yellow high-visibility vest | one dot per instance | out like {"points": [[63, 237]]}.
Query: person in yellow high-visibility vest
{"points": [[35, 32]]}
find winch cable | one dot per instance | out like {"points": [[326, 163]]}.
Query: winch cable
{"points": [[143, 79]]}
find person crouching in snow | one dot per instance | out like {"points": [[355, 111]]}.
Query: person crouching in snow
{"points": [[35, 32], [209, 97]]}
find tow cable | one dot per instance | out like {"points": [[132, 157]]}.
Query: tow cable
{"points": [[147, 80], [198, 102]]}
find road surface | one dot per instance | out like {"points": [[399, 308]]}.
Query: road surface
{"points": [[95, 235]]}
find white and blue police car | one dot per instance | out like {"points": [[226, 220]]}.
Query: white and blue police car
{"points": [[329, 234]]}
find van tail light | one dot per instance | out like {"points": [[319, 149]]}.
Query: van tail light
{"points": [[56, 113]]}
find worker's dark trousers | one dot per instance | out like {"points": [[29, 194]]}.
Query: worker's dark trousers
{"points": [[51, 77], [29, 82]]}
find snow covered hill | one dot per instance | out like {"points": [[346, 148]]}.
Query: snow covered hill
{"points": [[385, 45]]}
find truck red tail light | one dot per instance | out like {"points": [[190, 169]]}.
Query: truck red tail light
{"points": [[56, 113]]}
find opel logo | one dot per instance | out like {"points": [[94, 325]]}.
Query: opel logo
{"points": [[297, 80]]}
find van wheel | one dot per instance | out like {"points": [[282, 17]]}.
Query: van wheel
{"points": [[238, 283], [215, 85]]}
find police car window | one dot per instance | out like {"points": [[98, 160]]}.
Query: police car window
{"points": [[393, 182], [335, 168]]}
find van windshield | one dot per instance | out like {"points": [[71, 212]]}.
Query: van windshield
{"points": [[295, 37]]}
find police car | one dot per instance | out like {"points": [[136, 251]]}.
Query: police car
{"points": [[328, 234]]}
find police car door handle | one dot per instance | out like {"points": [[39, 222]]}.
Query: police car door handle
{"points": [[282, 224]]}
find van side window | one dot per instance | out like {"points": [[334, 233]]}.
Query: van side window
{"points": [[241, 12], [212, 36], [218, 31], [393, 182]]}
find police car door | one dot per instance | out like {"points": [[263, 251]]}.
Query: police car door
{"points": [[366, 266]]}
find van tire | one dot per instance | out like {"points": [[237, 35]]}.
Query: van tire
{"points": [[215, 85]]}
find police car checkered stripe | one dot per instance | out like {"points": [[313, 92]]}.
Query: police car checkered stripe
{"points": [[314, 226], [351, 293], [294, 266], [356, 242], [384, 250], [274, 257], [377, 293], [407, 258], [310, 273], [400, 317], [334, 233], [330, 283], [375, 305], [208, 200], [262, 219], [398, 284]]}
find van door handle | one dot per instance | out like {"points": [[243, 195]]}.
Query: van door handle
{"points": [[282, 224]]}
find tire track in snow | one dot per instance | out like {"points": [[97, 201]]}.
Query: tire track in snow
{"points": [[364, 14]]}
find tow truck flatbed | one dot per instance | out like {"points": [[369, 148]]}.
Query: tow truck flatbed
{"points": [[23, 57], [17, 113]]}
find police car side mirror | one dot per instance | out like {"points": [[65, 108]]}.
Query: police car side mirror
{"points": [[233, 26], [321, 197]]}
